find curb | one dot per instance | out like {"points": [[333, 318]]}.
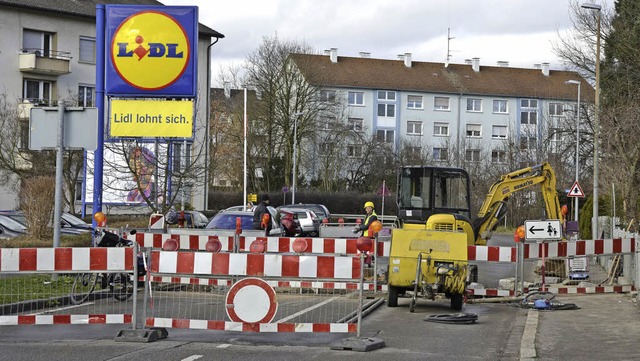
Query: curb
{"points": [[528, 343]]}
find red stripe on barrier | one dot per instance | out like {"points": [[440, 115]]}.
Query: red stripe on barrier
{"points": [[97, 259], [185, 262], [194, 241], [471, 253], [562, 291], [283, 244], [598, 246], [581, 248], [562, 249], [155, 261], [180, 323], [514, 254], [63, 258], [27, 320], [493, 253], [286, 327], [290, 266], [617, 245], [215, 325], [321, 327], [251, 327], [255, 265], [97, 319], [326, 266], [28, 259], [351, 246], [353, 327], [380, 249], [62, 319], [355, 267], [220, 264], [329, 245]]}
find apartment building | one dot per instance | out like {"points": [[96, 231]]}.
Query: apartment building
{"points": [[48, 53], [436, 108]]}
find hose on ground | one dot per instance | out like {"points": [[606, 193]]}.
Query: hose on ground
{"points": [[457, 318]]}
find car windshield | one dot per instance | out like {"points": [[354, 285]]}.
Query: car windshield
{"points": [[12, 224], [228, 221]]}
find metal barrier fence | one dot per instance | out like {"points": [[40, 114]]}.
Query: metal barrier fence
{"points": [[37, 286]]}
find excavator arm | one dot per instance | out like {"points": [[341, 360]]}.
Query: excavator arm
{"points": [[494, 205]]}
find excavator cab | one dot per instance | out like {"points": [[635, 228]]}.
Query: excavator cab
{"points": [[424, 191]]}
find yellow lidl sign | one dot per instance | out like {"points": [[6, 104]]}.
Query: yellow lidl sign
{"points": [[151, 118], [151, 50]]}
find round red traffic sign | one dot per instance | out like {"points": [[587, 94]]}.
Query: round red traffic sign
{"points": [[251, 300]]}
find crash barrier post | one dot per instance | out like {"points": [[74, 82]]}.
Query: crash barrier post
{"points": [[68, 285], [599, 254], [254, 292]]}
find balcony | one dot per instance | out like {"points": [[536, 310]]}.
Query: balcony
{"points": [[39, 61]]}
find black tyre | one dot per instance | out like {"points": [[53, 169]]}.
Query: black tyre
{"points": [[121, 286], [456, 301], [82, 287], [392, 301]]}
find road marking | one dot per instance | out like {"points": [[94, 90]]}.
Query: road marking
{"points": [[62, 308], [191, 358], [307, 310]]}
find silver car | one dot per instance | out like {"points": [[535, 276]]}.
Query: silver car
{"points": [[309, 221]]}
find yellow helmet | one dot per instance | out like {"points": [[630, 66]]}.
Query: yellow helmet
{"points": [[369, 204]]}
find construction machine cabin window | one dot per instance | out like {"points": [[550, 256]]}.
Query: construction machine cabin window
{"points": [[450, 191], [415, 188], [429, 188]]}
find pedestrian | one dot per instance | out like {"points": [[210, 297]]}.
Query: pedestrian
{"points": [[249, 206], [261, 215], [370, 217]]}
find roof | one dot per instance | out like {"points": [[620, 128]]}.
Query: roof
{"points": [[87, 9], [370, 73]]}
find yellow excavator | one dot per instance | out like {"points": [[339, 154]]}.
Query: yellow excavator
{"points": [[428, 253]]}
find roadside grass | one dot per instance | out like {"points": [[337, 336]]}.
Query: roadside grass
{"points": [[19, 288]]}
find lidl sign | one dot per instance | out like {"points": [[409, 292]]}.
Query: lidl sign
{"points": [[151, 50]]}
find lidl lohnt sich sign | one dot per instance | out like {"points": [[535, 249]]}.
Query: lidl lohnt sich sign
{"points": [[151, 50]]}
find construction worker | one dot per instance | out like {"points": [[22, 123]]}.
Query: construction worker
{"points": [[261, 215], [369, 218]]}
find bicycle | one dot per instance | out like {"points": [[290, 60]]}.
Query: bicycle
{"points": [[120, 285]]}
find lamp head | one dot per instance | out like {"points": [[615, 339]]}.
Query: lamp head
{"points": [[591, 6]]}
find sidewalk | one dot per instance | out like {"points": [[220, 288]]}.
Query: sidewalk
{"points": [[606, 327]]}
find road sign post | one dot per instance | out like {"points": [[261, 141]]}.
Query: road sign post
{"points": [[542, 231]]}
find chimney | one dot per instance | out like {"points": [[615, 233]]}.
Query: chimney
{"points": [[537, 66], [365, 54], [333, 55], [467, 61], [502, 63], [475, 64], [327, 52], [407, 60], [545, 69], [227, 89]]}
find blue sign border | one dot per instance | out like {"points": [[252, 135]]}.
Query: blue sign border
{"points": [[186, 85]]}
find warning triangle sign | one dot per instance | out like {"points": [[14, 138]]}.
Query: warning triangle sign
{"points": [[575, 191]]}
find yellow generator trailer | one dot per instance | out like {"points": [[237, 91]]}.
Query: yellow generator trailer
{"points": [[428, 263]]}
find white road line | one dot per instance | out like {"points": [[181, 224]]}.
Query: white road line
{"points": [[62, 308], [307, 310], [191, 358]]}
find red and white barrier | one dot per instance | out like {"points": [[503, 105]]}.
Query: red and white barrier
{"points": [[261, 265], [64, 319], [250, 327], [66, 259], [556, 290]]}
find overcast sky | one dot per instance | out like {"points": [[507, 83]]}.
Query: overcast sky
{"points": [[518, 31]]}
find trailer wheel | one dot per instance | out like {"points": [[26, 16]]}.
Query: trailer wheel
{"points": [[456, 301], [393, 297]]}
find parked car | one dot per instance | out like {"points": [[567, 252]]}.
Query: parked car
{"points": [[10, 228], [308, 220], [69, 224], [195, 219], [227, 220], [289, 223], [319, 209]]}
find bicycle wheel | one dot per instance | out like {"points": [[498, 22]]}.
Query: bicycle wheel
{"points": [[82, 287], [121, 286]]}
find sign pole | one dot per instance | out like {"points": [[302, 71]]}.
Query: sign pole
{"points": [[542, 267], [98, 160]]}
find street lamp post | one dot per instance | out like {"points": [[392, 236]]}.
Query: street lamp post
{"points": [[575, 200], [596, 124], [295, 155]]}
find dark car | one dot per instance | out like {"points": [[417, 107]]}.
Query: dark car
{"points": [[227, 220], [319, 209]]}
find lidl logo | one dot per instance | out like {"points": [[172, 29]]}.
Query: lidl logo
{"points": [[150, 50]]}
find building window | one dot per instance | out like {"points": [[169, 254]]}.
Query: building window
{"points": [[414, 152], [356, 124], [556, 109], [474, 130], [24, 135], [387, 110], [527, 143], [354, 151], [500, 106], [472, 155], [87, 53], [37, 42], [440, 154], [385, 135], [414, 101], [555, 140], [37, 92], [528, 111], [499, 132], [441, 129], [498, 156], [441, 103], [327, 123], [327, 96], [386, 95], [414, 128], [85, 95], [356, 98], [325, 148], [474, 105]]}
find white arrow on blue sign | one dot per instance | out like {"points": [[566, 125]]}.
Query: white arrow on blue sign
{"points": [[550, 229]]}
